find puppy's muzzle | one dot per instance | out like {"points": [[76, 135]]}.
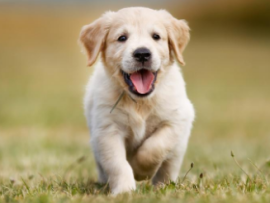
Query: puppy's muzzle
{"points": [[142, 55]]}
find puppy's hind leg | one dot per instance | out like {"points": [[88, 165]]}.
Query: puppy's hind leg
{"points": [[168, 171], [170, 168]]}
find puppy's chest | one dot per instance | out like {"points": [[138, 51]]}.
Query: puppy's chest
{"points": [[140, 127]]}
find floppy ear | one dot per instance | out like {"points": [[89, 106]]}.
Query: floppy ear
{"points": [[93, 36], [178, 33]]}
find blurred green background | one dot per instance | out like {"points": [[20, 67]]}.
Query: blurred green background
{"points": [[43, 75]]}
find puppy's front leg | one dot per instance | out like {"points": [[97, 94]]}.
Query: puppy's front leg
{"points": [[110, 152], [153, 152]]}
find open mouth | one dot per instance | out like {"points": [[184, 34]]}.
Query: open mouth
{"points": [[141, 82]]}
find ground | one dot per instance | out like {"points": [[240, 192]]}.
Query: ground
{"points": [[44, 142]]}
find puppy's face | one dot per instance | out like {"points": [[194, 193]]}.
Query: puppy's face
{"points": [[136, 45]]}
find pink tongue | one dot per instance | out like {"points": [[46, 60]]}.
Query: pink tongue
{"points": [[142, 80]]}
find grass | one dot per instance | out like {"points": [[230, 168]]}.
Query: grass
{"points": [[57, 166], [44, 150]]}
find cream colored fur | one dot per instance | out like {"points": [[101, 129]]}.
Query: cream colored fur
{"points": [[146, 139]]}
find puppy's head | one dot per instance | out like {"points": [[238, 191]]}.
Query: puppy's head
{"points": [[137, 45]]}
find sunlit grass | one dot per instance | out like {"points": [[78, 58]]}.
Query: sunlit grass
{"points": [[51, 166]]}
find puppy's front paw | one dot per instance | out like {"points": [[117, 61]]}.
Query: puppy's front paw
{"points": [[123, 186], [143, 165], [123, 182]]}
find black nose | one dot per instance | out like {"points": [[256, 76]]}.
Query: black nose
{"points": [[142, 54]]}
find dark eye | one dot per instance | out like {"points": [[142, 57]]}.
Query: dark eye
{"points": [[122, 38], [156, 37]]}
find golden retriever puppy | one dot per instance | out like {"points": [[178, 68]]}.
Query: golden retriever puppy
{"points": [[136, 104]]}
